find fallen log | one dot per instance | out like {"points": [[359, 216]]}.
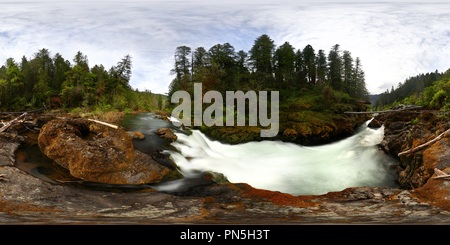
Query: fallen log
{"points": [[8, 124], [425, 144]]}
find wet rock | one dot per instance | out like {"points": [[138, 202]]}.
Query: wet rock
{"points": [[97, 153], [25, 199], [167, 134], [407, 130]]}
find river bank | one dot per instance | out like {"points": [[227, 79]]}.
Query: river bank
{"points": [[26, 199]]}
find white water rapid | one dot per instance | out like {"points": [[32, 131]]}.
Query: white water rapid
{"points": [[287, 167]]}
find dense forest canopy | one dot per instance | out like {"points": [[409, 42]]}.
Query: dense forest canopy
{"points": [[51, 81], [268, 67], [313, 89]]}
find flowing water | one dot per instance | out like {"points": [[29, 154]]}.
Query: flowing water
{"points": [[280, 166], [271, 165]]}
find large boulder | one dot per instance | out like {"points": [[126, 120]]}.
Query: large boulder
{"points": [[98, 153]]}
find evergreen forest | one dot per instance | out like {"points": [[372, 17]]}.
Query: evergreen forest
{"points": [[53, 82]]}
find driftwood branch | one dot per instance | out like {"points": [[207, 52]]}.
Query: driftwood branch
{"points": [[3, 178], [425, 144], [104, 123], [440, 174], [8, 124], [96, 121], [373, 112]]}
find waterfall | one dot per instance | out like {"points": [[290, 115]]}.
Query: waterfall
{"points": [[288, 167]]}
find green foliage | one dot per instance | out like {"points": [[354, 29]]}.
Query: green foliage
{"points": [[433, 96], [261, 54], [52, 82], [41, 93], [415, 121], [308, 102]]}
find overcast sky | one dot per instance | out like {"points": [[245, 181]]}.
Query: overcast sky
{"points": [[393, 39]]}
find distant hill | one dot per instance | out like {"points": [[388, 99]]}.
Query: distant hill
{"points": [[373, 98]]}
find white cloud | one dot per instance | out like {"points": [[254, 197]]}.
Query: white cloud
{"points": [[393, 40]]}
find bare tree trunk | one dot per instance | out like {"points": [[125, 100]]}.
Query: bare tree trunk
{"points": [[8, 124]]}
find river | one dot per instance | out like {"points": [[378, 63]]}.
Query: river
{"points": [[274, 165]]}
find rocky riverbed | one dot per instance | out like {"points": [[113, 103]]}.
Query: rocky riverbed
{"points": [[25, 199]]}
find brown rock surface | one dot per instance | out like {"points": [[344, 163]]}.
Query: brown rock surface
{"points": [[407, 130], [97, 153], [25, 199]]}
